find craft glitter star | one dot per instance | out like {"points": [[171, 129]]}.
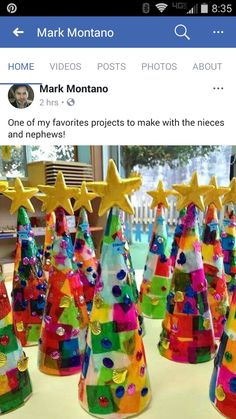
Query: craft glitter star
{"points": [[83, 198], [231, 195], [114, 190], [60, 259], [213, 225], [57, 196], [20, 196], [159, 196], [214, 196], [192, 193]]}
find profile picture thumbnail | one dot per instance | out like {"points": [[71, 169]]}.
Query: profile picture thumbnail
{"points": [[20, 95]]}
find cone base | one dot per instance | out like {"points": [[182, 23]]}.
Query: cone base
{"points": [[182, 358], [59, 373], [117, 415], [14, 401], [157, 317], [31, 334], [29, 344], [221, 413]]}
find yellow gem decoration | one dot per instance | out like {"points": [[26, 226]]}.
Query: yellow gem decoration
{"points": [[165, 344], [191, 193], [57, 196], [231, 195], [129, 346], [95, 328], [115, 191], [20, 196], [98, 301], [83, 198], [22, 364], [206, 324], [214, 196], [179, 297], [228, 278], [119, 375], [20, 326], [3, 359], [154, 301], [220, 394], [159, 196]]}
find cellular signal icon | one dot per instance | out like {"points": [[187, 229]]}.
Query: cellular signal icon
{"points": [[161, 7], [193, 11]]}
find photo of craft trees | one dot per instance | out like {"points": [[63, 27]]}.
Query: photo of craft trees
{"points": [[114, 381]]}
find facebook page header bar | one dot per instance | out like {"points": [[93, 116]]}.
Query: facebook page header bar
{"points": [[117, 32]]}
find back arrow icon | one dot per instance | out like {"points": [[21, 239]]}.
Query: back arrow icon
{"points": [[17, 32]]}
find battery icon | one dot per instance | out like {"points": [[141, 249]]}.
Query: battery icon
{"points": [[204, 8]]}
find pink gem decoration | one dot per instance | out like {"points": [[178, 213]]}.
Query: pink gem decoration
{"points": [[64, 244], [131, 389], [142, 370], [32, 260], [197, 246], [25, 261], [55, 355]]}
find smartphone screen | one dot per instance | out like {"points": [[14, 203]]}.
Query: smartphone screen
{"points": [[151, 85]]}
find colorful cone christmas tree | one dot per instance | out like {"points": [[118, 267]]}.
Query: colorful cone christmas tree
{"points": [[157, 272], [64, 326], [29, 283], [84, 251], [187, 329], [212, 255], [49, 234], [223, 381], [15, 385], [228, 237], [114, 381]]}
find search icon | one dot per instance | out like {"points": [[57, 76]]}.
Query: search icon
{"points": [[181, 30]]}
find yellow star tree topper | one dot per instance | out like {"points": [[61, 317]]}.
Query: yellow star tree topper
{"points": [[20, 196], [3, 185], [159, 195], [214, 196], [192, 193], [83, 198], [57, 196], [114, 190], [231, 195]]}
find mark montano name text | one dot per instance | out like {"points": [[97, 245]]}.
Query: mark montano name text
{"points": [[46, 88]]}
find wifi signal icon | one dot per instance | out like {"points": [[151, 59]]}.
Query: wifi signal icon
{"points": [[161, 7]]}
